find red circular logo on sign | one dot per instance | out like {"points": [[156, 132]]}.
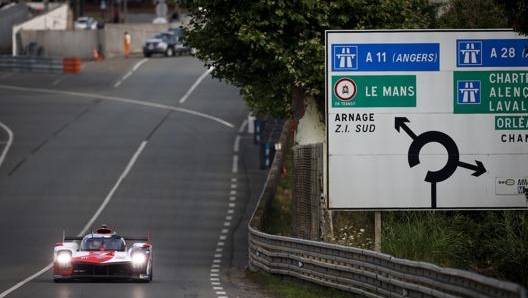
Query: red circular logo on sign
{"points": [[345, 89]]}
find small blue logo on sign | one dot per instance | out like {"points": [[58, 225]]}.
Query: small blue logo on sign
{"points": [[344, 57], [468, 92], [469, 52]]}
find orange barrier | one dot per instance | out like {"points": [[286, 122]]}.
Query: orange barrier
{"points": [[71, 65]]}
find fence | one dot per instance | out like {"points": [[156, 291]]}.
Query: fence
{"points": [[307, 210], [363, 272], [40, 64]]}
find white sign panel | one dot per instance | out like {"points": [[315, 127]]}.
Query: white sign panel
{"points": [[427, 119]]}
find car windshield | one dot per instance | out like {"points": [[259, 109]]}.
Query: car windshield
{"points": [[164, 36], [96, 243]]}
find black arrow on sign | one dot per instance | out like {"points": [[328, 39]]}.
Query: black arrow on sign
{"points": [[400, 122], [478, 167], [443, 139]]}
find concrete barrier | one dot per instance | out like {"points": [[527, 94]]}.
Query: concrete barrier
{"points": [[40, 64], [81, 43]]}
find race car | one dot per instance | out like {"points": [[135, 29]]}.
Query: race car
{"points": [[103, 254]]}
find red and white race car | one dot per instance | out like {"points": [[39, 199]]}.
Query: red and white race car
{"points": [[103, 254]]}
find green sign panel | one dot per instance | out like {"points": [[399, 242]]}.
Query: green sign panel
{"points": [[490, 92], [511, 122], [374, 91]]}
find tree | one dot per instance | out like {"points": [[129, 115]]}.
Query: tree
{"points": [[469, 14], [486, 14], [274, 49], [516, 10]]}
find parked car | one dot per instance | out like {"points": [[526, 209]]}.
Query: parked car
{"points": [[85, 23], [165, 43], [182, 47]]}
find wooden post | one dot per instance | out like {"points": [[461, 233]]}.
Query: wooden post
{"points": [[377, 231]]}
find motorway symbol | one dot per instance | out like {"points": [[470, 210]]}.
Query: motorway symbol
{"points": [[453, 161], [344, 57], [469, 53], [468, 92]]}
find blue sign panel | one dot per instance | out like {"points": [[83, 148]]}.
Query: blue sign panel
{"points": [[468, 92], [492, 52], [386, 57]]}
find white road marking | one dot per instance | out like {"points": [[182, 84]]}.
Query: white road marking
{"points": [[90, 222], [58, 81], [196, 83], [128, 74], [243, 126], [122, 100], [236, 147], [235, 164], [7, 143], [25, 281], [113, 190]]}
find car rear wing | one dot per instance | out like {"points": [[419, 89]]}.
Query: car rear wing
{"points": [[79, 238]]}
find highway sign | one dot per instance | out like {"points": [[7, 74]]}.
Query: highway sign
{"points": [[427, 119]]}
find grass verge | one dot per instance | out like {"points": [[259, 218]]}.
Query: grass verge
{"points": [[285, 287]]}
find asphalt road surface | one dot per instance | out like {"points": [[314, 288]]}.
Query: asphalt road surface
{"points": [[147, 146]]}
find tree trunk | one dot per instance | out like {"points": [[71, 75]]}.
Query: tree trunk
{"points": [[298, 103]]}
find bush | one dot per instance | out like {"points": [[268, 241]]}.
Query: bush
{"points": [[425, 236], [493, 243]]}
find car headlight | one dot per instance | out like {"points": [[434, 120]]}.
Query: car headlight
{"points": [[64, 258], [139, 259]]}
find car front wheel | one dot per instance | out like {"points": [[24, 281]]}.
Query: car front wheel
{"points": [[169, 52]]}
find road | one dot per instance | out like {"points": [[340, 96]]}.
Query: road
{"points": [[144, 145]]}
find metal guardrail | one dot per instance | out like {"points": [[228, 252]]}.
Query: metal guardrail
{"points": [[363, 272], [39, 64]]}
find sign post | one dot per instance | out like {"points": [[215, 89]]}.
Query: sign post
{"points": [[427, 119]]}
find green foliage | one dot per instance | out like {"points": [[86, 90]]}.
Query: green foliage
{"points": [[354, 229], [425, 236], [269, 47], [462, 14], [501, 244], [285, 287], [494, 243], [516, 10]]}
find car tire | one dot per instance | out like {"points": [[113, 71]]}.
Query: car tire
{"points": [[169, 52], [147, 55]]}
